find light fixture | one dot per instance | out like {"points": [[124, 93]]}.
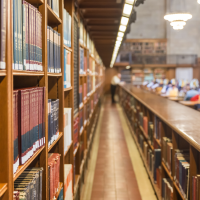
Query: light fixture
{"points": [[120, 34], [198, 1], [122, 28], [128, 67], [178, 19], [127, 9], [119, 39], [124, 21], [130, 1], [118, 43]]}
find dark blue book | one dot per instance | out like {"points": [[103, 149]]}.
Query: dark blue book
{"points": [[60, 197], [48, 48], [157, 163]]}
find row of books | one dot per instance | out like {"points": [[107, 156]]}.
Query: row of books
{"points": [[53, 120], [81, 120], [54, 5], [82, 61], [67, 69], [182, 171], [157, 126], [195, 187], [76, 132], [89, 85], [80, 95], [27, 37], [29, 184], [67, 128], [67, 21], [167, 153], [53, 174], [28, 123], [3, 34], [53, 50], [167, 189]]}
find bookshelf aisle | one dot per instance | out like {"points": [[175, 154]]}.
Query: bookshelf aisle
{"points": [[168, 147], [50, 141]]}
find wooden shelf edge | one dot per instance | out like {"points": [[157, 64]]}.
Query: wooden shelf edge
{"points": [[54, 74], [177, 188], [76, 150], [59, 189], [157, 141], [2, 72], [67, 48], [69, 147], [68, 89], [23, 167], [27, 73], [52, 145], [3, 188], [77, 179], [82, 130], [81, 106], [59, 21], [167, 171]]}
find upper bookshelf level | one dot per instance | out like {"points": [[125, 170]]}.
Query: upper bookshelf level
{"points": [[180, 118]]}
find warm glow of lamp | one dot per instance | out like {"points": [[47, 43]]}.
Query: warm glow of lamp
{"points": [[120, 34], [130, 1], [127, 9], [124, 21], [119, 39], [122, 28]]}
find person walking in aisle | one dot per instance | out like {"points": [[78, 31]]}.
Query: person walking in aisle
{"points": [[114, 82]]}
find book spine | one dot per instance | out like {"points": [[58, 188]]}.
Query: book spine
{"points": [[43, 114], [59, 46], [3, 35], [70, 21], [37, 117], [51, 50], [65, 58], [48, 47], [67, 29], [37, 39], [24, 36], [54, 51], [34, 38], [64, 26], [41, 67], [20, 34], [49, 121]]}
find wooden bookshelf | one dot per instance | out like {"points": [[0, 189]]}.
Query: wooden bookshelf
{"points": [[59, 189], [3, 188], [182, 133], [11, 79]]}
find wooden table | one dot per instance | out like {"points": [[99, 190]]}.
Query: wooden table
{"points": [[189, 103], [177, 99]]}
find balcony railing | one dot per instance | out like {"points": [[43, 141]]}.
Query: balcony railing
{"points": [[158, 59]]}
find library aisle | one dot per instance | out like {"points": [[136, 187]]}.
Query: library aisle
{"points": [[115, 171]]}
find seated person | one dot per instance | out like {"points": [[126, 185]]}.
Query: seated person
{"points": [[164, 89], [193, 90], [181, 88], [172, 90], [156, 84], [150, 84]]}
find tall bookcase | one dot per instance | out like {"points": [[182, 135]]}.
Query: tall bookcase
{"points": [[54, 89]]}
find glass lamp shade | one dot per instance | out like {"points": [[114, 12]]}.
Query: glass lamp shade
{"points": [[178, 17]]}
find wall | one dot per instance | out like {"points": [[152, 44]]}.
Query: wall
{"points": [[150, 23], [109, 73]]}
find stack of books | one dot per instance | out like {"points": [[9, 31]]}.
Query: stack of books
{"points": [[28, 122], [67, 69], [67, 128], [54, 4], [53, 120], [27, 37], [67, 20], [68, 175], [82, 71], [167, 189], [76, 132], [182, 171], [53, 173], [157, 125], [167, 153], [29, 184], [3, 35], [53, 50]]}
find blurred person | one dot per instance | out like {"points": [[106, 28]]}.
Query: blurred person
{"points": [[194, 85], [114, 82], [172, 90]]}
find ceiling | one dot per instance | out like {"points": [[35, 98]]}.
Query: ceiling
{"points": [[102, 20]]}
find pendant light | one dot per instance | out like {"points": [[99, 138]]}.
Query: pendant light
{"points": [[198, 1], [178, 15]]}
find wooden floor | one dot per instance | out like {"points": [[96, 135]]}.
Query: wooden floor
{"points": [[114, 177]]}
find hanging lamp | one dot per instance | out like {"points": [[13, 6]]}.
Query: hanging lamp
{"points": [[198, 1], [178, 17]]}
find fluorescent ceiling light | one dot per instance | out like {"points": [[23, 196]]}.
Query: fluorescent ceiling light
{"points": [[128, 67], [119, 39], [127, 9], [122, 28], [120, 34], [124, 21], [130, 1], [118, 43]]}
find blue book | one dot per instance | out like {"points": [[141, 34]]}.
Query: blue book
{"points": [[60, 197], [48, 48]]}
